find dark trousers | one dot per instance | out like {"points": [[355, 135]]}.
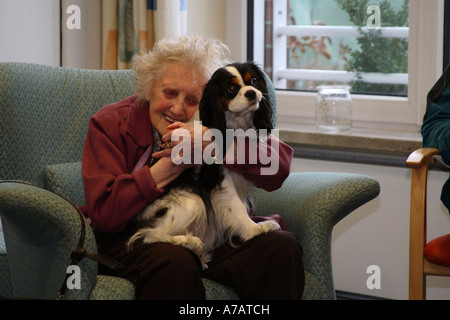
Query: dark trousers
{"points": [[268, 266]]}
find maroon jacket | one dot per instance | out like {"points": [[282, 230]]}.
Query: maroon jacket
{"points": [[117, 137]]}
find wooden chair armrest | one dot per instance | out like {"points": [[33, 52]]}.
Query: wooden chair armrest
{"points": [[420, 157]]}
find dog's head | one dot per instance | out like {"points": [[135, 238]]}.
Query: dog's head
{"points": [[236, 97]]}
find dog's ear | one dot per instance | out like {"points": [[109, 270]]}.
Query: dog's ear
{"points": [[211, 110], [263, 116]]}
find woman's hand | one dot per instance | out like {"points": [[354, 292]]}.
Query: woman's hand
{"points": [[164, 171], [168, 167], [191, 137]]}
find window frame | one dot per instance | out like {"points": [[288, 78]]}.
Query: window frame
{"points": [[369, 111]]}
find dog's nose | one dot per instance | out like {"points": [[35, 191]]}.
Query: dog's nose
{"points": [[250, 94]]}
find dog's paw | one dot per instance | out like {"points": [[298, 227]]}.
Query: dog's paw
{"points": [[205, 258], [190, 242], [268, 225], [260, 228]]}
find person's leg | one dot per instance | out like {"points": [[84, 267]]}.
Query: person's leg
{"points": [[269, 266], [158, 271]]}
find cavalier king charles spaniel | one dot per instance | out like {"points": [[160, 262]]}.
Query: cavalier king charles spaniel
{"points": [[209, 205]]}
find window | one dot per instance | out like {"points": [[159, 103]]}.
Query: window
{"points": [[340, 41], [295, 39]]}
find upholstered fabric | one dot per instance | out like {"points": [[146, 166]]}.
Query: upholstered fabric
{"points": [[313, 289], [112, 288], [5, 279], [66, 180], [216, 291], [272, 97], [43, 229], [44, 113]]}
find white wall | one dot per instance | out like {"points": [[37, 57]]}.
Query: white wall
{"points": [[207, 18], [378, 232], [29, 31], [82, 48]]}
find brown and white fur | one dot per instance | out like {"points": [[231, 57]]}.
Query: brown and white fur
{"points": [[209, 205]]}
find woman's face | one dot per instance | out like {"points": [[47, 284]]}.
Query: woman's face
{"points": [[175, 96]]}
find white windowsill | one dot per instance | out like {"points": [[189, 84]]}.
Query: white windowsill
{"points": [[354, 139]]}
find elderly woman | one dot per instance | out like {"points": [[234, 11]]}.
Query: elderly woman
{"points": [[169, 81]]}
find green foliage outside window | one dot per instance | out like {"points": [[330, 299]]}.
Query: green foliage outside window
{"points": [[369, 53], [375, 54]]}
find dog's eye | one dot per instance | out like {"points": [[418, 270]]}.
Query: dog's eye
{"points": [[253, 82], [231, 89]]}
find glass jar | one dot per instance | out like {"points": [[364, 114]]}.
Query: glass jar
{"points": [[333, 108]]}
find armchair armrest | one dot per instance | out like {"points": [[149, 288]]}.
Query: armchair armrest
{"points": [[311, 204], [41, 230]]}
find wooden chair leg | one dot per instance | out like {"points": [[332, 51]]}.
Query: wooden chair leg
{"points": [[417, 278]]}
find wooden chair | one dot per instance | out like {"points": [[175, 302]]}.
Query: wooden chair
{"points": [[419, 266]]}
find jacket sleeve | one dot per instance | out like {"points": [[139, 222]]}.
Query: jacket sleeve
{"points": [[271, 166], [436, 125], [113, 195]]}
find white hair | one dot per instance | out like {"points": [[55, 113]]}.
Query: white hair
{"points": [[205, 55]]}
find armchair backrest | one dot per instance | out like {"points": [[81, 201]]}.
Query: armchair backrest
{"points": [[44, 114]]}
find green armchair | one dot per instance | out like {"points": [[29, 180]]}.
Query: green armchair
{"points": [[44, 114]]}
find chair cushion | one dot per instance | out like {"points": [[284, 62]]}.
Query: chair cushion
{"points": [[437, 251], [112, 288], [66, 180]]}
